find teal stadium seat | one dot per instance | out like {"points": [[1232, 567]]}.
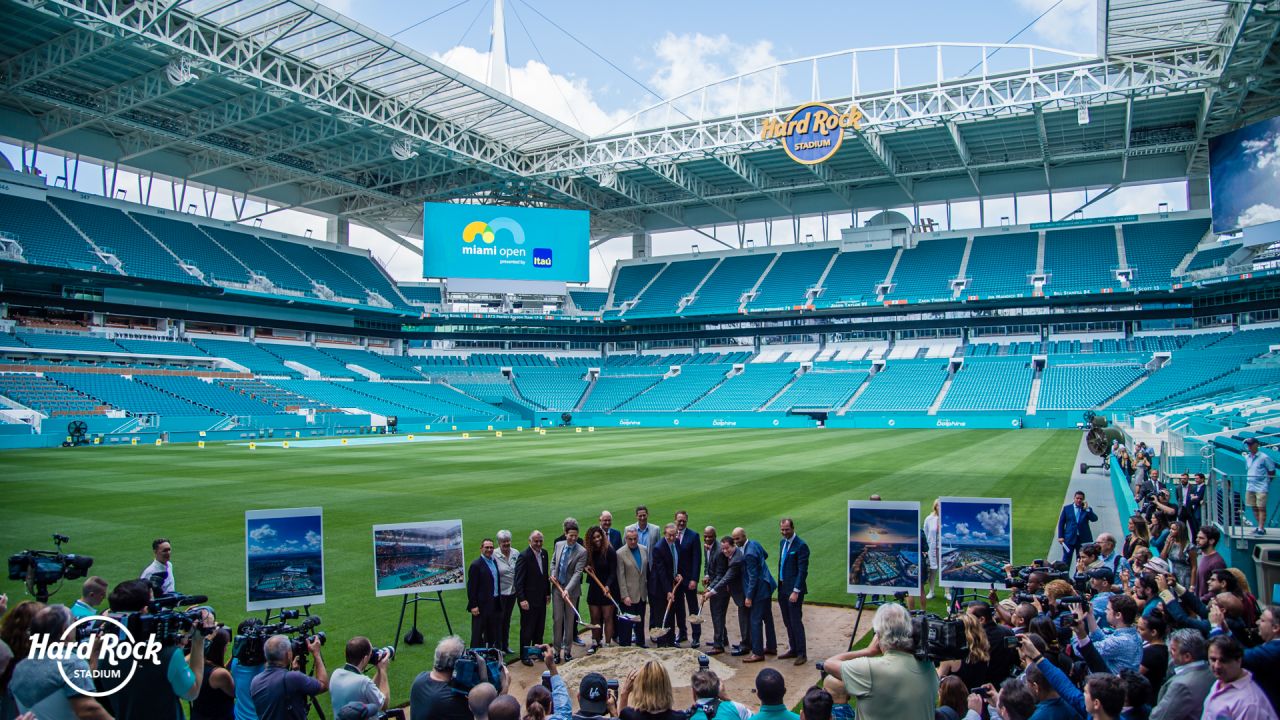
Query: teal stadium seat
{"points": [[925, 272], [134, 398], [247, 354], [790, 277], [558, 389], [46, 238], [826, 386], [903, 385], [1001, 265], [317, 267], [193, 246], [589, 300], [748, 390], [662, 298], [1212, 256], [1153, 249], [1081, 260], [612, 390], [258, 257], [43, 394], [312, 358], [114, 231], [854, 277], [628, 281], [679, 391], [723, 289], [425, 294], [990, 384]]}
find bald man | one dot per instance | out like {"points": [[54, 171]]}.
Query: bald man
{"points": [[606, 524]]}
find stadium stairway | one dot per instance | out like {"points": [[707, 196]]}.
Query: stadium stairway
{"points": [[942, 393], [1034, 400], [866, 382]]}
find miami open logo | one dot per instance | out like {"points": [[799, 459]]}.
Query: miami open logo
{"points": [[106, 654], [813, 132], [487, 234]]}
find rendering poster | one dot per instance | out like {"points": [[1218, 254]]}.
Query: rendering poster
{"points": [[977, 541], [284, 557], [884, 547], [417, 557]]}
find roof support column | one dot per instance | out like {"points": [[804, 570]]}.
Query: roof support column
{"points": [[1198, 192], [641, 245], [338, 231]]}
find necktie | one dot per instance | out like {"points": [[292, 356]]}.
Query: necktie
{"points": [[564, 564], [786, 544], [675, 561], [538, 557]]}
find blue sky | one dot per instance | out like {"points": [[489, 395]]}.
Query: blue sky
{"points": [[284, 535], [1245, 176], [670, 48], [979, 523]]}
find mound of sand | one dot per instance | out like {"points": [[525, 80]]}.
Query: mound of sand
{"points": [[615, 662]]}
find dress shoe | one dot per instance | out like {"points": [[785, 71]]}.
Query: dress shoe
{"points": [[580, 641], [736, 648], [739, 652], [556, 658], [786, 655], [753, 659], [568, 656], [801, 660], [526, 662], [771, 651], [715, 651]]}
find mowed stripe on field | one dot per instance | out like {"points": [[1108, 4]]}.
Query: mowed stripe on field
{"points": [[113, 501]]}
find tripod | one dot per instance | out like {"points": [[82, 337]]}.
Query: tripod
{"points": [[414, 636]]}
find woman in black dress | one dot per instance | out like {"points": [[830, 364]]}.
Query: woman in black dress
{"points": [[602, 561]]}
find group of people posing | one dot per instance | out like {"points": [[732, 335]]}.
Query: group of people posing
{"points": [[668, 574]]}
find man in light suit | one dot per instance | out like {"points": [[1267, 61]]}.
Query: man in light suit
{"points": [[482, 599], [566, 568], [793, 572], [613, 536], [723, 581], [691, 565], [667, 575], [633, 588], [647, 535], [533, 592], [1190, 679], [757, 589], [1073, 527]]}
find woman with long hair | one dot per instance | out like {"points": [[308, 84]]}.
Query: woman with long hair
{"points": [[953, 699], [975, 668], [14, 631], [933, 543], [646, 694], [602, 562], [217, 698], [1139, 535], [1180, 554], [537, 703]]}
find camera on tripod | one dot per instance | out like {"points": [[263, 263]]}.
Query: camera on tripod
{"points": [[41, 568], [936, 638], [250, 647], [170, 625]]}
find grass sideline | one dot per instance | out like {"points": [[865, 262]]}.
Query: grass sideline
{"points": [[113, 501]]}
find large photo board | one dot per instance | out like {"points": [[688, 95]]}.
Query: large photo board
{"points": [[284, 557], [884, 547], [418, 557], [977, 541]]}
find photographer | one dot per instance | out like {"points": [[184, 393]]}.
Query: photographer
{"points": [[280, 693], [92, 593], [39, 687], [431, 696], [886, 677], [1122, 649], [1014, 701], [348, 683], [242, 676], [710, 701], [155, 691]]}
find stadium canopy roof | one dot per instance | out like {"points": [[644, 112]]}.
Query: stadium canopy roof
{"points": [[288, 101]]}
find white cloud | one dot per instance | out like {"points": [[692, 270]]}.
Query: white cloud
{"points": [[262, 533], [692, 60], [962, 528], [569, 100], [1265, 152], [1258, 214], [1073, 25], [313, 539], [995, 522]]}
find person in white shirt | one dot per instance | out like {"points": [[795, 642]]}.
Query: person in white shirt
{"points": [[161, 565]]}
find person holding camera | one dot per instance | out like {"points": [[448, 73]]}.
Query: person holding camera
{"points": [[281, 693], [92, 594], [431, 695], [156, 690], [710, 701], [887, 678], [1122, 649], [349, 684], [39, 686], [595, 698], [242, 675]]}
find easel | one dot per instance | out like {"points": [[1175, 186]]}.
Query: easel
{"points": [[414, 637], [956, 599]]}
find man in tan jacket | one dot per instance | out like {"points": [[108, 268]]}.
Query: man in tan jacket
{"points": [[633, 566]]}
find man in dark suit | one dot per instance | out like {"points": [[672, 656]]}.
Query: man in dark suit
{"points": [[691, 567], [606, 524], [724, 581], [1190, 498], [533, 592], [793, 572], [482, 598], [1073, 527], [757, 589], [666, 571]]}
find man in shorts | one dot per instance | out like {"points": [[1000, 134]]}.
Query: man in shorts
{"points": [[1260, 471]]}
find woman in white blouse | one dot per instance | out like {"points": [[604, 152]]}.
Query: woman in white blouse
{"points": [[933, 542]]}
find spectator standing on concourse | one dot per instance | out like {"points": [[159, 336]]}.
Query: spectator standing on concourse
{"points": [[1260, 471], [1073, 526]]}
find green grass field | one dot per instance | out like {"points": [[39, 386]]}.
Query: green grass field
{"points": [[113, 501]]}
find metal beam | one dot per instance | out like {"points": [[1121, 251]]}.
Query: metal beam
{"points": [[1042, 135], [962, 149]]}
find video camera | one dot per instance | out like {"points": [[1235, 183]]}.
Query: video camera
{"points": [[250, 647], [166, 622], [475, 666], [41, 568], [1026, 597], [1052, 571], [936, 638]]}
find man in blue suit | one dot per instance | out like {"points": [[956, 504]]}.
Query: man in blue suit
{"points": [[606, 524], [757, 587], [666, 575], [793, 571], [691, 567], [1073, 527]]}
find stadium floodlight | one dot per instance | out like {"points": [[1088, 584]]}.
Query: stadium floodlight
{"points": [[179, 71], [1082, 115], [402, 150], [694, 249]]}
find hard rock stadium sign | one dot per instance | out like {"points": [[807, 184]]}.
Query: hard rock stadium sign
{"points": [[812, 132]]}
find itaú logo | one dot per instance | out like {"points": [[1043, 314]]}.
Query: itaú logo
{"points": [[109, 650]]}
